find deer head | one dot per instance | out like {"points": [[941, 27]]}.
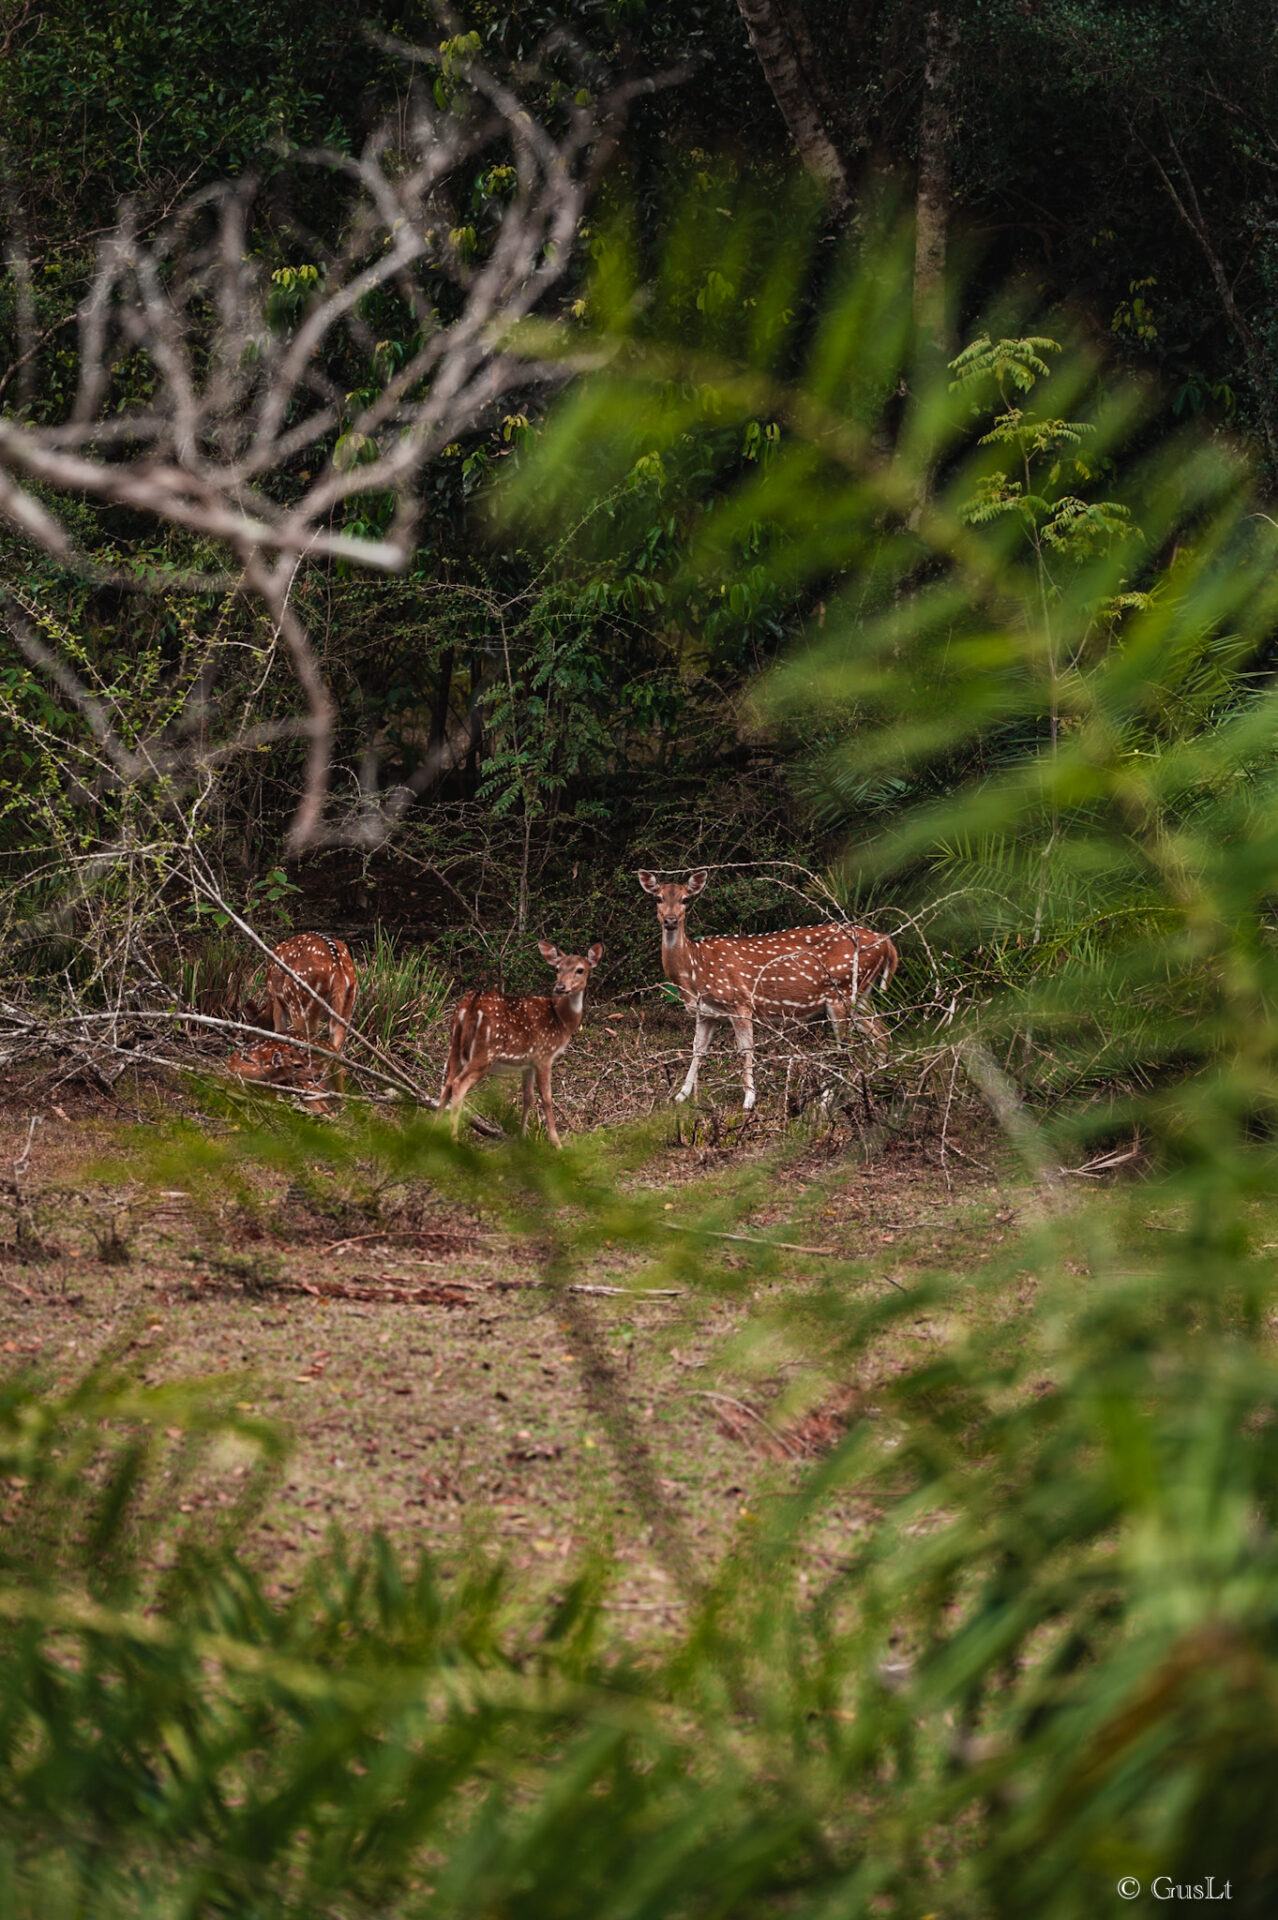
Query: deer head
{"points": [[673, 898], [572, 970], [279, 1065]]}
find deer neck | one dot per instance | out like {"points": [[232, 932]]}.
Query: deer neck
{"points": [[568, 1009], [677, 956]]}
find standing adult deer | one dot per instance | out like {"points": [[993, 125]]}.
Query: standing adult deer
{"points": [[775, 977], [530, 1032], [310, 980]]}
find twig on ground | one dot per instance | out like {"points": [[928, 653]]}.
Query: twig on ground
{"points": [[726, 1400], [54, 1031], [22, 1164], [643, 1606], [971, 1159], [1104, 1163], [945, 1123], [627, 1293], [755, 1240]]}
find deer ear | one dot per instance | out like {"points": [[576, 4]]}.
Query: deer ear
{"points": [[549, 952], [594, 953], [695, 881], [649, 881]]}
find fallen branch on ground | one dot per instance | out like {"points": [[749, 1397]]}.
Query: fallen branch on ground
{"points": [[740, 1406], [1104, 1163], [755, 1240], [55, 1033]]}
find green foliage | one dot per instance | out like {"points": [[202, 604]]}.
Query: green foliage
{"points": [[1056, 521], [1008, 363], [264, 902], [548, 724], [1088, 1563], [401, 992]]}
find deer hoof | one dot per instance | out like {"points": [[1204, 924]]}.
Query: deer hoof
{"points": [[748, 1103], [681, 1096]]}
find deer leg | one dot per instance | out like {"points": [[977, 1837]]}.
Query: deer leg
{"points": [[452, 1067], [838, 1013], [866, 1022], [458, 1090], [700, 1047], [547, 1104], [337, 1028], [306, 1033], [530, 1074], [334, 1071], [878, 1033], [743, 1031]]}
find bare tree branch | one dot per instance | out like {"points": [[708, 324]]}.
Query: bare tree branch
{"points": [[246, 436]]}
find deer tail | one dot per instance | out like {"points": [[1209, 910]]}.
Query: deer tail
{"points": [[891, 961]]}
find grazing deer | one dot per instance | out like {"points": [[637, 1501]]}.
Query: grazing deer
{"points": [[775, 977], [310, 980], [284, 1068], [493, 1030]]}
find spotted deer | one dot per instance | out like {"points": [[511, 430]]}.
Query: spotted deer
{"points": [[530, 1032], [310, 980], [283, 1068], [778, 978]]}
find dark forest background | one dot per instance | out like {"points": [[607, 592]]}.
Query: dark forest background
{"points": [[1110, 169]]}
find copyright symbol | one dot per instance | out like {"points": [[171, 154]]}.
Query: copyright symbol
{"points": [[1129, 1888]]}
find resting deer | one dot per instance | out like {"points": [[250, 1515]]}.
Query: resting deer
{"points": [[495, 1030], [284, 1068], [310, 980], [775, 977]]}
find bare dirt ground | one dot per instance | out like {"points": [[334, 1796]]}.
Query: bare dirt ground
{"points": [[428, 1383]]}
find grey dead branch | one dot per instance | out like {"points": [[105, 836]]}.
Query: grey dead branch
{"points": [[238, 397]]}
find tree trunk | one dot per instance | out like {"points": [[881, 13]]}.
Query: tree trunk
{"points": [[779, 36], [437, 741], [932, 202], [474, 723]]}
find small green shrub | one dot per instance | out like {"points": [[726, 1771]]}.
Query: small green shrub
{"points": [[402, 994]]}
